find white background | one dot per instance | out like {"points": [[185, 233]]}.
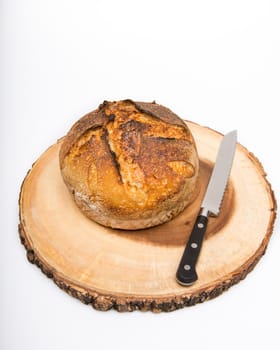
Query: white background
{"points": [[214, 62]]}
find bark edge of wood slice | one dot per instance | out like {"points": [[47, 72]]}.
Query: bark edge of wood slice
{"points": [[127, 271]]}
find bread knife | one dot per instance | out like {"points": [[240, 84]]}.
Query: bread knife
{"points": [[186, 274]]}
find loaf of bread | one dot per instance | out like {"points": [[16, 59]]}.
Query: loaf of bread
{"points": [[130, 165]]}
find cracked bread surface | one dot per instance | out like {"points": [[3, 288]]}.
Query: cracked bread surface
{"points": [[130, 165]]}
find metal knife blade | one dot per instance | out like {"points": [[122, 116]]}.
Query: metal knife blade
{"points": [[186, 274], [219, 178]]}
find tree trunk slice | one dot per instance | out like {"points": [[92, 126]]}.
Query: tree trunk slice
{"points": [[135, 270]]}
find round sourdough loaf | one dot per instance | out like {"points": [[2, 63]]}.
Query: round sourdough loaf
{"points": [[130, 165]]}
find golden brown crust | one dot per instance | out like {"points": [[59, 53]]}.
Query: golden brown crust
{"points": [[130, 164], [91, 120]]}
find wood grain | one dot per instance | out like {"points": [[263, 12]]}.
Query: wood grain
{"points": [[135, 270]]}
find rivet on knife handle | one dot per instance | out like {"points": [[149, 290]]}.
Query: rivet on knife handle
{"points": [[186, 273]]}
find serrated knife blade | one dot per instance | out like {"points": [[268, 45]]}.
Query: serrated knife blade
{"points": [[219, 178], [186, 273]]}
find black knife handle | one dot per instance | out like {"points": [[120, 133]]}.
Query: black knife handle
{"points": [[186, 274]]}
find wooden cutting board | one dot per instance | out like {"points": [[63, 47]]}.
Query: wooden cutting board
{"points": [[135, 270]]}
